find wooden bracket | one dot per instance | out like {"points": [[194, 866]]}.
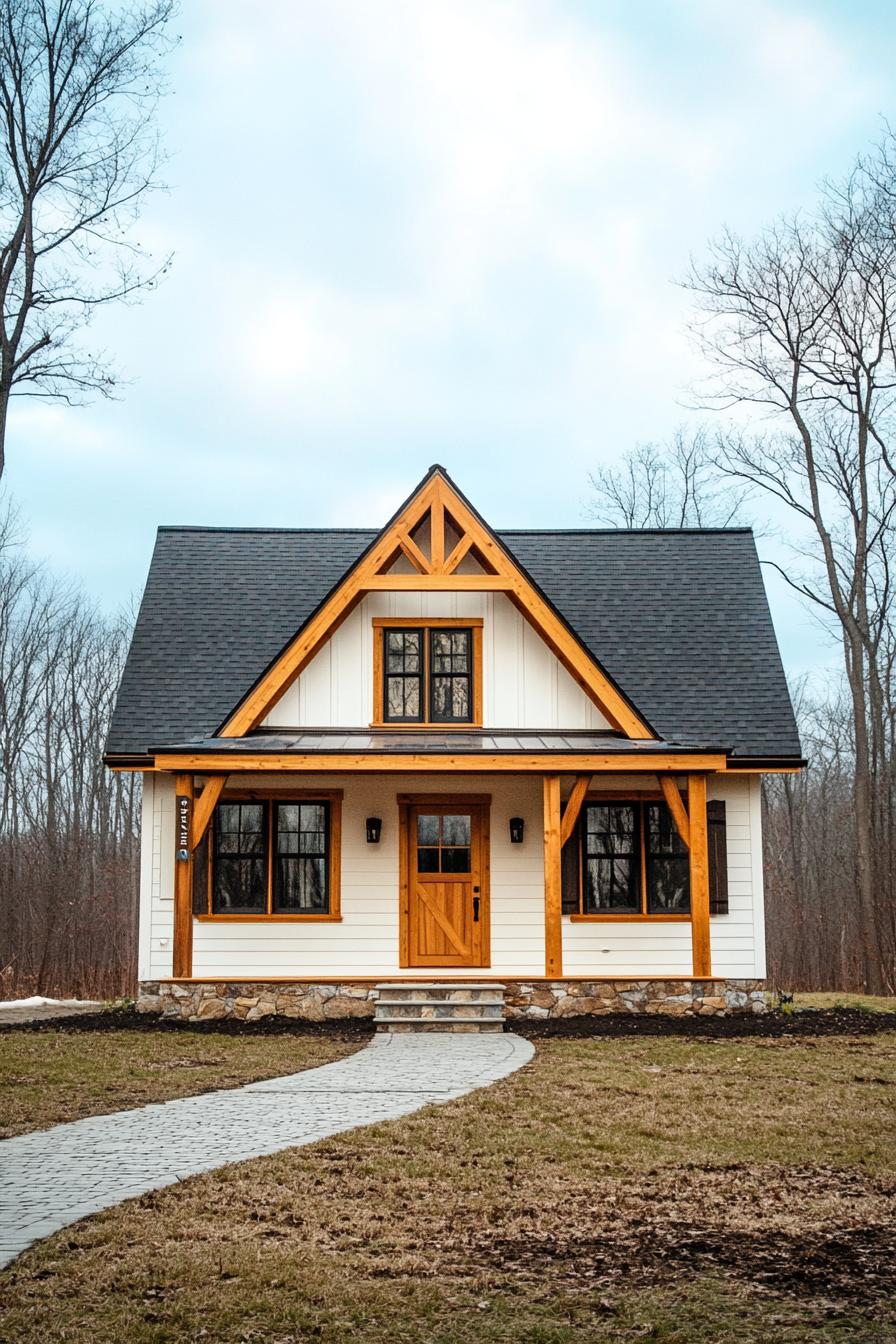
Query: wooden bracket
{"points": [[204, 806], [675, 804], [573, 809]]}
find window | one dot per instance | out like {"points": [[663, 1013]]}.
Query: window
{"points": [[427, 673], [668, 869], [276, 858], [632, 861], [611, 859], [443, 843]]}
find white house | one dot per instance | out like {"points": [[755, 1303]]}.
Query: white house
{"points": [[438, 756]]}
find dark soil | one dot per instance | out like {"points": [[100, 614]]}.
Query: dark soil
{"points": [[126, 1019], [806, 1022]]}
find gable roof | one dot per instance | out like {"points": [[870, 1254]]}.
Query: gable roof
{"points": [[679, 619]]}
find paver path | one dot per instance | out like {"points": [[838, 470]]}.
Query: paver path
{"points": [[56, 1176]]}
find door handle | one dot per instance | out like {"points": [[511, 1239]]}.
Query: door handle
{"points": [[475, 909]]}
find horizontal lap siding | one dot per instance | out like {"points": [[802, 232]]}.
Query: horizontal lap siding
{"points": [[161, 896], [627, 948], [737, 951], [365, 942]]}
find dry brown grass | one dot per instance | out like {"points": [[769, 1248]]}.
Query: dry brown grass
{"points": [[866, 1003], [669, 1190], [47, 1077]]}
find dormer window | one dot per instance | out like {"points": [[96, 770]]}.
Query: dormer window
{"points": [[427, 672]]}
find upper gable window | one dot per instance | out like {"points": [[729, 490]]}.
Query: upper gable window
{"points": [[428, 673]]}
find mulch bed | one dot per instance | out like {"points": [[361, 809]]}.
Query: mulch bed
{"points": [[807, 1022], [126, 1019]]}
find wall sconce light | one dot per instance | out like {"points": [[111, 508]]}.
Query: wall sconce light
{"points": [[517, 826], [374, 827]]}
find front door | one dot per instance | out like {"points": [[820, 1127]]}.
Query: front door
{"points": [[447, 914]]}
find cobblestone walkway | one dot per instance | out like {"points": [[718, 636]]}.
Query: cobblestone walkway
{"points": [[56, 1176]]}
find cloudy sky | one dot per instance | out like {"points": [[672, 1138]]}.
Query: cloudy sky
{"points": [[409, 231]]}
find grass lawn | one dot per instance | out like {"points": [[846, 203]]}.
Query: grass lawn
{"points": [[866, 1003], [48, 1076], [680, 1191]]}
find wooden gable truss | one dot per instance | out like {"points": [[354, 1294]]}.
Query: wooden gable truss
{"points": [[437, 543]]}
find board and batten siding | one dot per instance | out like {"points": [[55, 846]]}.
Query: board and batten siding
{"points": [[524, 685], [365, 942]]}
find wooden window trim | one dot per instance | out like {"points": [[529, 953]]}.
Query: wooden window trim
{"points": [[333, 797], [426, 623], [641, 800]]}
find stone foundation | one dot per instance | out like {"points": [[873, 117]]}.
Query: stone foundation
{"points": [[250, 1002], [673, 998], [522, 998]]}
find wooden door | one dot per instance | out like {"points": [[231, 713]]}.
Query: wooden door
{"points": [[446, 845]]}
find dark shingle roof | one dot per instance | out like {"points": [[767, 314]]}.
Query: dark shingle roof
{"points": [[679, 619]]}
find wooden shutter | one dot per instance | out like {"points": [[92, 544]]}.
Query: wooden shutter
{"points": [[200, 876], [570, 858], [718, 857]]}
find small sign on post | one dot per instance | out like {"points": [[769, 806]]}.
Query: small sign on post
{"points": [[183, 821]]}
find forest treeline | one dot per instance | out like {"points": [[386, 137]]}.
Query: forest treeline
{"points": [[69, 842]]}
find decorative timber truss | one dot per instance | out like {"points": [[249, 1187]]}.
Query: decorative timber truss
{"points": [[437, 543]]}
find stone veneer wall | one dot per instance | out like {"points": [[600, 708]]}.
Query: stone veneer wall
{"points": [[523, 999]]}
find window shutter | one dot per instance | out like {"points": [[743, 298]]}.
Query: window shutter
{"points": [[569, 872], [718, 857], [200, 876]]}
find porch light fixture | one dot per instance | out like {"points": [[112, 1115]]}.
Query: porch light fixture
{"points": [[517, 825], [374, 827]]}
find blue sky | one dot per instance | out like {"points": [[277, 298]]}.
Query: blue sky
{"points": [[436, 230]]}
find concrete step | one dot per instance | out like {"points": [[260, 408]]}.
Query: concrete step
{"points": [[410, 1008], [436, 1024], [419, 1005]]}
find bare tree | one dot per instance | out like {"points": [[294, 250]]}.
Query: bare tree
{"points": [[78, 89], [800, 322], [665, 485], [68, 826]]}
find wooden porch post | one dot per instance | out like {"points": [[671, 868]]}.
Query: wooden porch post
{"points": [[182, 960], [553, 897], [699, 864]]}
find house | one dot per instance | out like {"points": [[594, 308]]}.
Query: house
{"points": [[459, 764]]}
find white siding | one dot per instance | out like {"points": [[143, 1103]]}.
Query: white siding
{"points": [[737, 940], [157, 878], [524, 685], [365, 942]]}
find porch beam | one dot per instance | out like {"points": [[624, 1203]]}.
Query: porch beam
{"points": [[573, 808], [553, 896], [204, 806], [675, 804], [699, 868], [439, 763], [182, 955]]}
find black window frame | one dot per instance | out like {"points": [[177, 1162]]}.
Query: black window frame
{"points": [[268, 856], [277, 854], [632, 856], [220, 856], [433, 675], [654, 859], [644, 863], [419, 676], [427, 675]]}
